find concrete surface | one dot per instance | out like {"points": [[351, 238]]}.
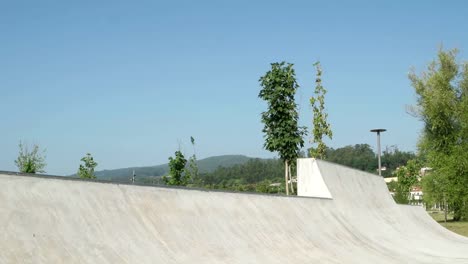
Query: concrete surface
{"points": [[49, 220]]}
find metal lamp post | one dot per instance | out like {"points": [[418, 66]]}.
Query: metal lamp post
{"points": [[378, 130]]}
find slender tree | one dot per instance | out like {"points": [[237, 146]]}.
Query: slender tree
{"points": [[442, 105], [86, 170], [281, 130], [192, 169], [30, 161], [321, 127]]}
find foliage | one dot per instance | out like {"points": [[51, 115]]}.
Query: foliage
{"points": [[392, 186], [256, 175], [192, 170], [253, 171], [282, 133], [86, 171], [177, 172], [267, 186], [359, 156], [442, 104], [30, 161], [281, 129], [321, 127], [204, 165], [362, 157], [407, 178], [400, 196], [435, 187], [393, 158]]}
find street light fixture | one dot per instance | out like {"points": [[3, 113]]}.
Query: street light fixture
{"points": [[378, 130]]}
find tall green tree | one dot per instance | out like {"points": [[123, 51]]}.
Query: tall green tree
{"points": [[86, 170], [177, 170], [281, 130], [321, 127], [442, 105], [30, 161]]}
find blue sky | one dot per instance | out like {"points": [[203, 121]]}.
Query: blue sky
{"points": [[130, 81]]}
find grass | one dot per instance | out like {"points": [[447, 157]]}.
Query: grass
{"points": [[460, 227]]}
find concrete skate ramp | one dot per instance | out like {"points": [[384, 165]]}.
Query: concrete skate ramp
{"points": [[50, 220]]}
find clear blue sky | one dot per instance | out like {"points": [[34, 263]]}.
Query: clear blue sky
{"points": [[130, 81]]}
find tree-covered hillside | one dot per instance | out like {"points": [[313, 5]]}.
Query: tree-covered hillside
{"points": [[205, 166], [241, 173]]}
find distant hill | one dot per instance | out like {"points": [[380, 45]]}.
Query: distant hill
{"points": [[204, 165]]}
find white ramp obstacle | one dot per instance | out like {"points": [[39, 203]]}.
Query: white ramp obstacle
{"points": [[310, 182]]}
